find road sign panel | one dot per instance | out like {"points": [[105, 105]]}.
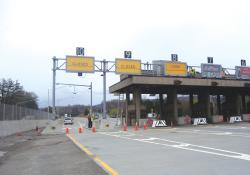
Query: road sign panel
{"points": [[127, 54], [80, 64], [210, 60], [242, 72], [211, 70], [125, 66], [80, 51], [243, 62], [174, 57], [176, 69]]}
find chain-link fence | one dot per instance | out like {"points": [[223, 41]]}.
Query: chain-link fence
{"points": [[15, 112], [17, 119]]}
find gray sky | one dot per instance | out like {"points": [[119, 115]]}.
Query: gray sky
{"points": [[33, 31]]}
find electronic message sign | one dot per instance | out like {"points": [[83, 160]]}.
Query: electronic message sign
{"points": [[242, 72], [211, 70], [80, 64], [127, 66], [176, 69]]}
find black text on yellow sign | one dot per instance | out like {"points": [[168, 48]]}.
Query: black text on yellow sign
{"points": [[80, 64], [126, 66]]}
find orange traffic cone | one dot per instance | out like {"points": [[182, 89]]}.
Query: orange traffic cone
{"points": [[67, 130], [136, 127], [93, 129], [79, 130], [145, 126], [125, 127]]}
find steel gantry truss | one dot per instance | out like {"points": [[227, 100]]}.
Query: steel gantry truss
{"points": [[100, 66], [105, 66]]}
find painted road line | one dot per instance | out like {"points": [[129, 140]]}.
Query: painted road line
{"points": [[219, 133], [101, 163], [2, 153], [187, 146]]}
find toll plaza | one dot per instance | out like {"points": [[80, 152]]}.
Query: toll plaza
{"points": [[208, 91]]}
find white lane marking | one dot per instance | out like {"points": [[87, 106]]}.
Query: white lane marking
{"points": [[238, 134], [2, 153], [187, 146]]}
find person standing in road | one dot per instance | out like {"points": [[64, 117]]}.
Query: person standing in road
{"points": [[89, 122]]}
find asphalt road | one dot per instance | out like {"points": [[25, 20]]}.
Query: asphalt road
{"points": [[210, 149], [194, 150], [53, 154]]}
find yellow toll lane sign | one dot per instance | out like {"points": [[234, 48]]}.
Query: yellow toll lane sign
{"points": [[127, 66], [80, 64], [176, 69]]}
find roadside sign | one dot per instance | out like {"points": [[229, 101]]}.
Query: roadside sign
{"points": [[159, 123], [176, 69], [211, 70], [125, 66], [80, 64]]}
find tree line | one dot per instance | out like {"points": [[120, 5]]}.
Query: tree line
{"points": [[13, 93]]}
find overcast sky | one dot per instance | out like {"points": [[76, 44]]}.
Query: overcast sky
{"points": [[33, 31]]}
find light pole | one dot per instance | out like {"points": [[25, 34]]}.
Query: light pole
{"points": [[48, 103], [104, 87], [91, 107], [54, 86]]}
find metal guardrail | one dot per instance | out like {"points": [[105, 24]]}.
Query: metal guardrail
{"points": [[15, 112]]}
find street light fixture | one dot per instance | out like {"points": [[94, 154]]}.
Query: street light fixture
{"points": [[89, 86]]}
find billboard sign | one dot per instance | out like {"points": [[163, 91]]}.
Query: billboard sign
{"points": [[127, 66], [176, 69], [211, 70], [242, 72], [80, 64]]}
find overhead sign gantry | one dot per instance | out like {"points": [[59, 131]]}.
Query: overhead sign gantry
{"points": [[87, 64]]}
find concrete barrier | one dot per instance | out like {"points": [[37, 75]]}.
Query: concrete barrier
{"points": [[246, 117], [159, 123], [217, 118], [9, 127], [235, 119], [184, 120], [109, 123], [142, 122], [200, 121]]}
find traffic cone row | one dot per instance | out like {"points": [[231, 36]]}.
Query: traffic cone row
{"points": [[136, 127], [80, 130]]}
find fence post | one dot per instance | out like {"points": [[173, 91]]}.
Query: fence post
{"points": [[13, 112], [3, 111]]}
